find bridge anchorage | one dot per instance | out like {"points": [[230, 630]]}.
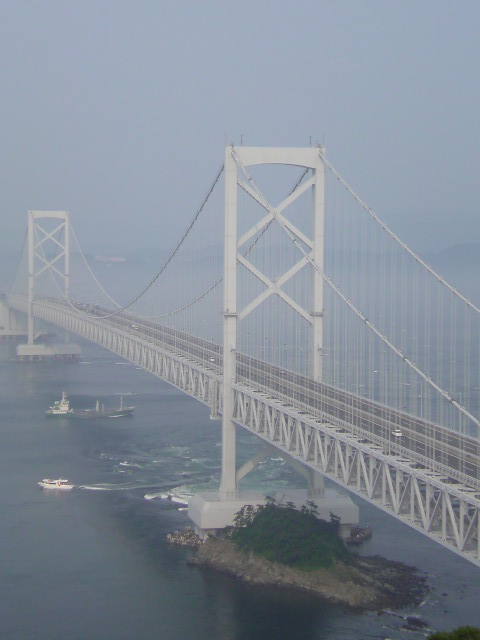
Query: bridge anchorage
{"points": [[355, 361]]}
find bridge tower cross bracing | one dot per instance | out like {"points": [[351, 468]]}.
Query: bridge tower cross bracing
{"points": [[236, 159], [36, 254]]}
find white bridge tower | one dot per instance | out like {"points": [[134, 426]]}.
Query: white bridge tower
{"points": [[235, 159], [38, 237], [48, 250], [215, 510]]}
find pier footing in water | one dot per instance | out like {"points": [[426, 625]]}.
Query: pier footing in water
{"points": [[69, 352], [210, 513]]}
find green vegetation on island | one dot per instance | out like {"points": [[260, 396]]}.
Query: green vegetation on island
{"points": [[462, 633], [296, 538], [278, 545]]}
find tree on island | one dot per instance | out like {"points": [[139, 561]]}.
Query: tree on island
{"points": [[281, 533], [462, 633]]}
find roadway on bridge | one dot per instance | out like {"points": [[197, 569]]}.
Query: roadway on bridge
{"points": [[454, 456]]}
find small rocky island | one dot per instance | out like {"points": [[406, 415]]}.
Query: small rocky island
{"points": [[278, 545]]}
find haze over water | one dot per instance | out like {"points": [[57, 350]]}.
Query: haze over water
{"points": [[97, 118], [94, 562]]}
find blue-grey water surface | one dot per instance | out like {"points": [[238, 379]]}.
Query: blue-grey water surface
{"points": [[93, 562]]}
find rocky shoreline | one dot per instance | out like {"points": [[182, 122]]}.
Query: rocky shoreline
{"points": [[370, 583]]}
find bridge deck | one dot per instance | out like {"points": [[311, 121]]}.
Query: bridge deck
{"points": [[430, 480]]}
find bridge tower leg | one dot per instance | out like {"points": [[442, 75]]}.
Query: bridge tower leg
{"points": [[318, 224], [228, 481]]}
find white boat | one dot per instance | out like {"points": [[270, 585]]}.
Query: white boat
{"points": [[60, 407], [60, 483]]}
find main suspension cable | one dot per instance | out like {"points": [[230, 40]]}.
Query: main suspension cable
{"points": [[220, 280], [351, 305], [394, 237], [20, 260], [116, 304], [165, 264]]}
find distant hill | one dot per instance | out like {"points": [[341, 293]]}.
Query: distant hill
{"points": [[459, 264]]}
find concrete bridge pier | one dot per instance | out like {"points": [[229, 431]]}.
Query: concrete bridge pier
{"points": [[69, 352], [211, 512]]}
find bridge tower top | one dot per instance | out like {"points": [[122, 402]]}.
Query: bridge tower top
{"points": [[39, 260]]}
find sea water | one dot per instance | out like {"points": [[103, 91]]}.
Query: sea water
{"points": [[94, 562]]}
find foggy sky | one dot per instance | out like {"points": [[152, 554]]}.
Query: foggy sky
{"points": [[120, 111]]}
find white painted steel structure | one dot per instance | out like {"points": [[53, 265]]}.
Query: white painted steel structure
{"points": [[442, 504], [38, 238], [440, 500], [236, 159]]}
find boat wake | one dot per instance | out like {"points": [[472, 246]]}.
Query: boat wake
{"points": [[113, 487], [91, 488], [177, 499]]}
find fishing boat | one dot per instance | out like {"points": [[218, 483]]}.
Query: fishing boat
{"points": [[61, 484], [61, 409]]}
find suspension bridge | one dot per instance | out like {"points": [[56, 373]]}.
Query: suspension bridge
{"points": [[293, 311]]}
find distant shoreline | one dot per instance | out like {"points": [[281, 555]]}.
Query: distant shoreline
{"points": [[371, 583]]}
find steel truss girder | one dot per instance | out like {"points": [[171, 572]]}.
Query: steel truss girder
{"points": [[201, 383], [416, 496]]}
